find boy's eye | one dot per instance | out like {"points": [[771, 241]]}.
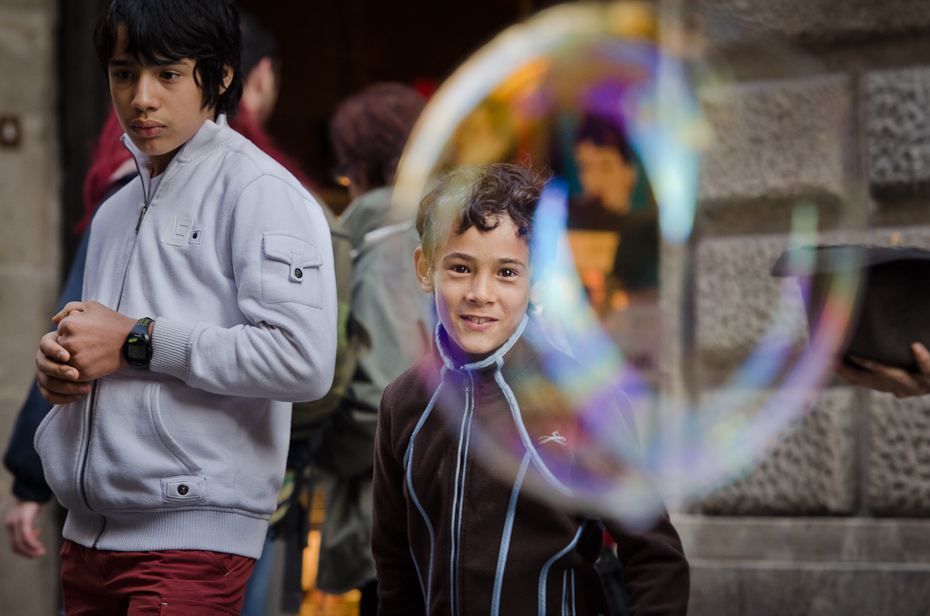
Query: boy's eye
{"points": [[122, 75], [508, 272], [459, 269], [170, 75]]}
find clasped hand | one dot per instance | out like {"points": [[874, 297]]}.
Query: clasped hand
{"points": [[85, 346]]}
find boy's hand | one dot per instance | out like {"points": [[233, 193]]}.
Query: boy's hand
{"points": [[93, 336], [21, 530], [56, 379], [880, 377]]}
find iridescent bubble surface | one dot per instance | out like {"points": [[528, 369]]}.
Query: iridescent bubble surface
{"points": [[661, 239]]}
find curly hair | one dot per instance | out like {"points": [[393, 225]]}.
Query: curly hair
{"points": [[480, 196]]}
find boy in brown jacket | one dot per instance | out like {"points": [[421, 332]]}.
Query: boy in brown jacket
{"points": [[451, 535]]}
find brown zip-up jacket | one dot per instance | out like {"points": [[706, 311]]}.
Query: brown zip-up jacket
{"points": [[451, 537]]}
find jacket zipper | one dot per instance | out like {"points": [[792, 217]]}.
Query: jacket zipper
{"points": [[468, 386], [90, 425], [93, 391]]}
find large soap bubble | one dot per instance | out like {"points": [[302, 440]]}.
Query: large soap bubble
{"points": [[674, 193]]}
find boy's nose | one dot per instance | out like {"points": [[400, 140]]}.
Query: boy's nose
{"points": [[481, 291], [144, 95]]}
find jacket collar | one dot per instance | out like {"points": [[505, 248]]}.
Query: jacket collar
{"points": [[497, 357], [210, 137]]}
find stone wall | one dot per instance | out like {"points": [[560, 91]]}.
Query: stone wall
{"points": [[29, 253], [825, 523]]}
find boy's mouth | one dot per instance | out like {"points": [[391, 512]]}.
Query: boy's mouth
{"points": [[147, 129], [476, 319]]}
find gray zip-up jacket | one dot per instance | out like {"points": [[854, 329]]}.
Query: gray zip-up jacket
{"points": [[232, 258], [463, 453]]}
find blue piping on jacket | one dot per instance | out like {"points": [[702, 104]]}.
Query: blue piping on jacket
{"points": [[426, 587], [545, 570], [505, 539]]}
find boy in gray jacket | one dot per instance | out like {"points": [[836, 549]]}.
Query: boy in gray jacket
{"points": [[169, 444]]}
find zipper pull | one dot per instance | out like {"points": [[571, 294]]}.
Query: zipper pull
{"points": [[145, 206]]}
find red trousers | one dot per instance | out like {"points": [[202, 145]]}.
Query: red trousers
{"points": [[166, 583]]}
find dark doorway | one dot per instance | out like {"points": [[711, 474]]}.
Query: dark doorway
{"points": [[331, 49], [82, 106]]}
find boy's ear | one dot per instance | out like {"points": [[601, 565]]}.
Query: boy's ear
{"points": [[423, 269], [227, 78]]}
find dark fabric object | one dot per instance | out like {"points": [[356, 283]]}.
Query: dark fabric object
{"points": [[21, 458], [292, 595], [894, 296], [611, 571], [345, 543], [368, 604]]}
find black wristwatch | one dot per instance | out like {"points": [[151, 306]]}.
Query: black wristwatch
{"points": [[138, 347]]}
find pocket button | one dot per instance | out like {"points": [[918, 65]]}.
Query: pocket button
{"points": [[298, 273], [183, 489]]}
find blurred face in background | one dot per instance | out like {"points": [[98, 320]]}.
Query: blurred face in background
{"points": [[605, 175]]}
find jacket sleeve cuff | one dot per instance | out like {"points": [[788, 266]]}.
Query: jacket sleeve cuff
{"points": [[171, 348], [26, 491]]}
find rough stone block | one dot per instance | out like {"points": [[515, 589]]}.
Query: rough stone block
{"points": [[811, 471], [898, 475], [916, 236], [29, 217], [737, 299], [771, 589], [26, 56], [27, 302], [896, 109], [806, 566], [817, 20], [777, 140]]}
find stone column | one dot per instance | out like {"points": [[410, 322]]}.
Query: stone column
{"points": [[30, 241]]}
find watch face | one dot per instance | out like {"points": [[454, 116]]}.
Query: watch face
{"points": [[137, 351]]}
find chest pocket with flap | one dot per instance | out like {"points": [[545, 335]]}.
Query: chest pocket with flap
{"points": [[291, 270]]}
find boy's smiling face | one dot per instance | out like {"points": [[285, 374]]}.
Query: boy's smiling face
{"points": [[482, 286], [159, 105]]}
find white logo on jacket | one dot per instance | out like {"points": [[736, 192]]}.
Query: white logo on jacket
{"points": [[177, 231], [555, 436]]}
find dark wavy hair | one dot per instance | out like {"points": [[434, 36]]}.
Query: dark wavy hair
{"points": [[480, 196], [206, 31], [602, 132], [369, 132]]}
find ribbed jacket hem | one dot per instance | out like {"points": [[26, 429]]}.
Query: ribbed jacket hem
{"points": [[171, 343], [196, 529]]}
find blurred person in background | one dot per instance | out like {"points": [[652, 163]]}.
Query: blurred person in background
{"points": [[613, 229], [615, 198], [368, 133]]}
